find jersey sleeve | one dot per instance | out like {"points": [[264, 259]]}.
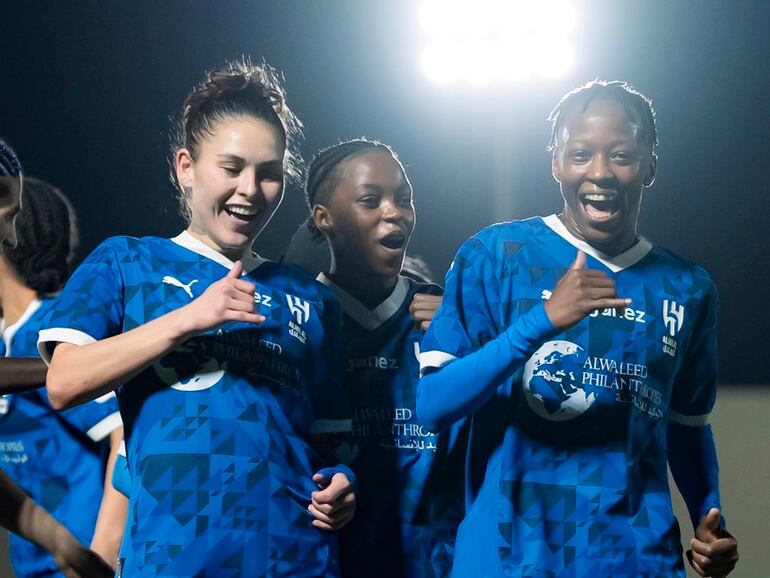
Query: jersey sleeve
{"points": [[90, 307], [331, 407], [97, 418], [695, 386], [468, 352], [691, 450]]}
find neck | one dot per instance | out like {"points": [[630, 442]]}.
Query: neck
{"points": [[367, 289], [14, 294], [232, 254]]}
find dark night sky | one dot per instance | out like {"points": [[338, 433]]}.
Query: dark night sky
{"points": [[88, 88]]}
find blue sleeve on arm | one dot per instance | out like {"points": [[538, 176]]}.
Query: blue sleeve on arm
{"points": [[328, 473], [692, 457], [462, 385]]}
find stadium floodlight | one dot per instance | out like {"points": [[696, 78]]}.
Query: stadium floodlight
{"points": [[488, 40]]}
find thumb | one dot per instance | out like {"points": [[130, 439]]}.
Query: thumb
{"points": [[712, 519], [235, 272], [320, 480], [580, 261]]}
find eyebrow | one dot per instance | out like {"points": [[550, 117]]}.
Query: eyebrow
{"points": [[377, 188], [239, 159]]}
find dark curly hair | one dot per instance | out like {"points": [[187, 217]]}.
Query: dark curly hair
{"points": [[46, 236], [238, 89], [323, 174], [636, 104], [9, 162]]}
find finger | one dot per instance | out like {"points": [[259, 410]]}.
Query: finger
{"points": [[694, 564], [580, 261], [338, 486], [607, 303], [244, 286], [722, 547], [235, 272], [424, 325], [320, 480], [245, 317]]}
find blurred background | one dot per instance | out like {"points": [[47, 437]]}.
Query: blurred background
{"points": [[461, 90]]}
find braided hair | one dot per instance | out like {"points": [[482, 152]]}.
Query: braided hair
{"points": [[9, 162], [637, 105], [323, 174], [46, 236], [238, 89]]}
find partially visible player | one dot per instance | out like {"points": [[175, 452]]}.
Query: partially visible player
{"points": [[59, 459], [361, 201], [586, 357], [222, 360]]}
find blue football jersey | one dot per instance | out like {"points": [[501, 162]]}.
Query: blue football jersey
{"points": [[58, 458], [216, 431], [567, 460], [409, 500]]}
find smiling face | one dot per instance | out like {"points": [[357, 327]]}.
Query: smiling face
{"points": [[236, 183], [369, 216], [602, 164]]}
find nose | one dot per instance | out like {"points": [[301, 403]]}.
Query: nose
{"points": [[392, 211], [599, 170], [248, 186]]}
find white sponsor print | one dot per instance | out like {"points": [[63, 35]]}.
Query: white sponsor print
{"points": [[299, 308], [673, 316], [560, 382], [168, 279]]}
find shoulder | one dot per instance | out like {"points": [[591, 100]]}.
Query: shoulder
{"points": [[687, 271], [499, 242]]}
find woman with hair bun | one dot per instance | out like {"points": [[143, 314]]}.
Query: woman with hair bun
{"points": [[224, 363], [57, 458]]}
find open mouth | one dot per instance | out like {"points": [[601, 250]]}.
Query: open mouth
{"points": [[241, 213], [600, 207], [394, 241]]}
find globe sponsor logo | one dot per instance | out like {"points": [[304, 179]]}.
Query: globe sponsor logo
{"points": [[188, 369], [552, 381]]}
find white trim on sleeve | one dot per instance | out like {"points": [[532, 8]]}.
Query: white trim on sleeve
{"points": [[105, 427], [689, 420], [434, 359], [60, 335]]}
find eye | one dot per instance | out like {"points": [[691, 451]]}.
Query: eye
{"points": [[579, 156], [405, 200], [232, 170], [622, 158], [370, 201]]}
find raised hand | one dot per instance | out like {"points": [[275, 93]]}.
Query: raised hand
{"points": [[76, 561], [580, 292], [229, 299], [714, 550], [334, 504], [423, 308]]}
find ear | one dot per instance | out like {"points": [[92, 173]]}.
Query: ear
{"points": [[184, 167], [652, 170], [323, 219], [555, 168]]}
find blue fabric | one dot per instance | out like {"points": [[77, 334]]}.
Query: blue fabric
{"points": [[410, 497], [567, 453], [217, 430], [50, 454]]}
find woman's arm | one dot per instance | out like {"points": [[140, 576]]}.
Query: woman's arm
{"points": [[111, 520], [21, 374], [79, 373]]}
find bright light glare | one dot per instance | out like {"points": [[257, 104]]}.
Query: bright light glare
{"points": [[509, 40]]}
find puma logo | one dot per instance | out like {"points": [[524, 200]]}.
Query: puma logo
{"points": [[177, 283]]}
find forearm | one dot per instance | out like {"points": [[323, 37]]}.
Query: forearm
{"points": [[693, 461], [79, 373], [21, 515], [461, 386], [21, 374], [111, 520]]}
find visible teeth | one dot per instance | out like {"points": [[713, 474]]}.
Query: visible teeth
{"points": [[598, 197], [248, 212]]}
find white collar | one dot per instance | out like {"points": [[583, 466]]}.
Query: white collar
{"points": [[9, 332], [617, 263], [186, 240], [369, 319]]}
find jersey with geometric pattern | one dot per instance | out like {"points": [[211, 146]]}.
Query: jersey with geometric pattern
{"points": [[58, 458], [217, 430], [567, 462], [408, 501]]}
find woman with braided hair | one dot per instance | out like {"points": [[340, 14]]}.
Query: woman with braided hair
{"points": [[224, 363], [57, 458]]}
